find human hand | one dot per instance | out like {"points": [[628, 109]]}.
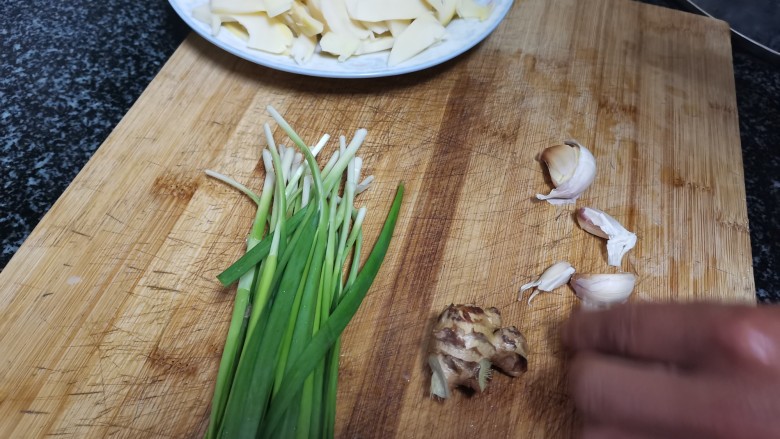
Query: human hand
{"points": [[676, 371]]}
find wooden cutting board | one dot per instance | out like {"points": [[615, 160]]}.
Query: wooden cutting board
{"points": [[112, 321]]}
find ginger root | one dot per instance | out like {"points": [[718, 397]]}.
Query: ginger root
{"points": [[467, 342]]}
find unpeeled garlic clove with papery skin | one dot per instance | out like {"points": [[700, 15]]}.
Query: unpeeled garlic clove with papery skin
{"points": [[555, 276], [598, 291], [601, 224], [572, 170]]}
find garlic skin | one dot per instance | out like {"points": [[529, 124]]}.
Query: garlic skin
{"points": [[598, 291], [555, 276], [572, 170], [601, 224]]}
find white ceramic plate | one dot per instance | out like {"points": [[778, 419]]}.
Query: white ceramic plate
{"points": [[462, 35]]}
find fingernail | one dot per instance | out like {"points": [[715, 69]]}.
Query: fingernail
{"points": [[760, 346]]}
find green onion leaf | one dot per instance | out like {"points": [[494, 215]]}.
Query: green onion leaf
{"points": [[316, 349]]}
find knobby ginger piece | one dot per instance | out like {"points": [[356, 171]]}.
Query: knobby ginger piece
{"points": [[467, 342]]}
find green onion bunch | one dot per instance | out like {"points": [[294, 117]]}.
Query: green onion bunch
{"points": [[299, 284]]}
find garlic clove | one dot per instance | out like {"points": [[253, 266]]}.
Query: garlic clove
{"points": [[552, 278], [601, 224], [561, 161], [572, 170], [599, 291]]}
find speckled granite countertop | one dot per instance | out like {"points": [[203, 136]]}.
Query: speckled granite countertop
{"points": [[71, 70]]}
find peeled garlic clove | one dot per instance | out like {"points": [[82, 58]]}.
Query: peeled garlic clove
{"points": [[601, 224], [572, 170], [552, 278], [602, 290]]}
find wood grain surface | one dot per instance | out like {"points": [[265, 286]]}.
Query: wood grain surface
{"points": [[111, 318]]}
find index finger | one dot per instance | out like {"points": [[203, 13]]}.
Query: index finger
{"points": [[709, 335]]}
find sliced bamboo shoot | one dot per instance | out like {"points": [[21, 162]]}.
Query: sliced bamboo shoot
{"points": [[445, 10], [267, 34], [338, 20], [277, 7], [471, 9], [303, 48], [397, 27], [381, 10], [420, 35], [372, 45], [340, 45], [303, 22], [237, 6]]}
